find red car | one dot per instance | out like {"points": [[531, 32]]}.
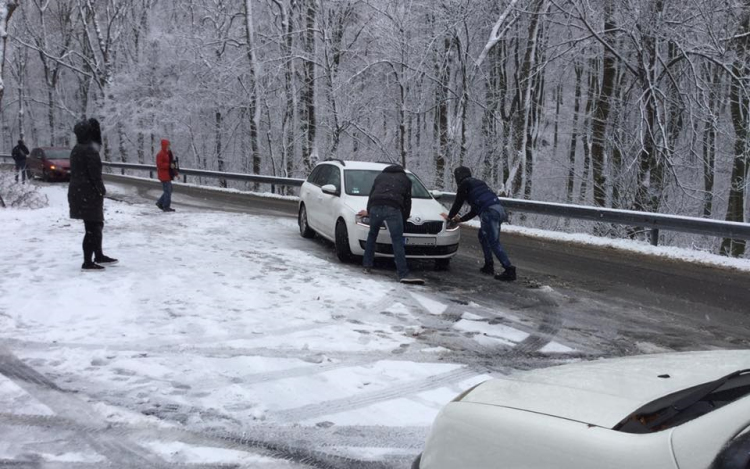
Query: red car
{"points": [[49, 163]]}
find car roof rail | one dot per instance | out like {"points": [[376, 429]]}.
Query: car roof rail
{"points": [[336, 159]]}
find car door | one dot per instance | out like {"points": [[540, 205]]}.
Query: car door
{"points": [[329, 203], [314, 199]]}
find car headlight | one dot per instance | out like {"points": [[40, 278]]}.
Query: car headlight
{"points": [[53, 167], [452, 226], [365, 221]]}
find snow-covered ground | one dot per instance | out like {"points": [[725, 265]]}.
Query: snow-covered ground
{"points": [[211, 322]]}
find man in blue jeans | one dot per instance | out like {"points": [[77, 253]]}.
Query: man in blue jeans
{"points": [[389, 203], [484, 203]]}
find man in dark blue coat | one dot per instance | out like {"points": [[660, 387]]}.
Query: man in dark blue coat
{"points": [[19, 154], [484, 203]]}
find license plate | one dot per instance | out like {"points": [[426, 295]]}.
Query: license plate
{"points": [[421, 241]]}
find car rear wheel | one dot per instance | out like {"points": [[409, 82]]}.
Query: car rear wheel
{"points": [[343, 251], [304, 228]]}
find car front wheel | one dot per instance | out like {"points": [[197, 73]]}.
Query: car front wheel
{"points": [[342, 242], [304, 228]]}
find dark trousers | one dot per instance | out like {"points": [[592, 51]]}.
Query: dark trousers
{"points": [[92, 240], [165, 201], [394, 219], [21, 168]]}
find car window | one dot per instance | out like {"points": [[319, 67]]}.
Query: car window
{"points": [[57, 154], [322, 176], [315, 173], [333, 177], [359, 182]]}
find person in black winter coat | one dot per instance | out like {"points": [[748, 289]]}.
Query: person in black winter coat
{"points": [[389, 203], [486, 204], [86, 192], [19, 154]]}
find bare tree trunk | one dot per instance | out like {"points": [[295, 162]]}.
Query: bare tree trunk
{"points": [[7, 7], [307, 100], [255, 75], [590, 97], [740, 106], [217, 146], [713, 76], [601, 110], [570, 186]]}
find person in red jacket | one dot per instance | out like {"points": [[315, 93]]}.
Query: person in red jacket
{"points": [[166, 171]]}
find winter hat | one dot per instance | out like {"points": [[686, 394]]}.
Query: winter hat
{"points": [[164, 144], [461, 173], [20, 142]]}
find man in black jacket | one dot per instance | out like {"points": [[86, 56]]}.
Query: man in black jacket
{"points": [[484, 203], [389, 203], [86, 193], [19, 154]]}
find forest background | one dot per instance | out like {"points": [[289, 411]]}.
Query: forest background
{"points": [[632, 104]]}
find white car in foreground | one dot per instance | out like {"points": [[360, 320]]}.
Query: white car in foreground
{"points": [[671, 411], [336, 191]]}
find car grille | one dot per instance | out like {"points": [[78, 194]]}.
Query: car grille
{"points": [[382, 248], [428, 227]]}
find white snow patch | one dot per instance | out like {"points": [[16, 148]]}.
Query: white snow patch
{"points": [[432, 306], [489, 333], [472, 317], [555, 347], [176, 452]]}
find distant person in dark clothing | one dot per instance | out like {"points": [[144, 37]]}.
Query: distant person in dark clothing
{"points": [[86, 192], [484, 203], [166, 167], [19, 154], [389, 203]]}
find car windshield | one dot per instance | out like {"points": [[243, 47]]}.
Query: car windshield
{"points": [[57, 154], [359, 182], [688, 404]]}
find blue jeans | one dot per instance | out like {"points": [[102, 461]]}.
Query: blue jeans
{"points": [[166, 198], [394, 219], [21, 168], [489, 235]]}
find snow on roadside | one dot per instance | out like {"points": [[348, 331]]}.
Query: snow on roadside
{"points": [[211, 320]]}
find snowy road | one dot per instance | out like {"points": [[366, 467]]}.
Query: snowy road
{"points": [[223, 339]]}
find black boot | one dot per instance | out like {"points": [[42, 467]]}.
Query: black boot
{"points": [[509, 275], [106, 260], [488, 269], [91, 267]]}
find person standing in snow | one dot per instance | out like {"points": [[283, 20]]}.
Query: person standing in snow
{"points": [[86, 192], [486, 204], [166, 171], [19, 154], [390, 203]]}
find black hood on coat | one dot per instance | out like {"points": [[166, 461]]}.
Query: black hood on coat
{"points": [[461, 173], [394, 168], [88, 131]]}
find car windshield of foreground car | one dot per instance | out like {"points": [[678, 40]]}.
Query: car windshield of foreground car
{"points": [[688, 404], [359, 182], [57, 154]]}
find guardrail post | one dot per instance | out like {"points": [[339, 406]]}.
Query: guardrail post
{"points": [[184, 178], [655, 237], [150, 174]]}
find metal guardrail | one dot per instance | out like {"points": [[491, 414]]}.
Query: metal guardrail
{"points": [[654, 221]]}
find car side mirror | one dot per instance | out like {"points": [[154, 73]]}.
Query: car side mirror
{"points": [[330, 189], [735, 455], [436, 194]]}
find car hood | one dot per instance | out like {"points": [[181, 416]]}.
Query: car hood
{"points": [[604, 392], [60, 163], [422, 209]]}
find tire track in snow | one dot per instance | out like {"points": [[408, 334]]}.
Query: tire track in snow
{"points": [[365, 399]]}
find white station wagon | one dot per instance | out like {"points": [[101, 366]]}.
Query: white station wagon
{"points": [[672, 411], [336, 191]]}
